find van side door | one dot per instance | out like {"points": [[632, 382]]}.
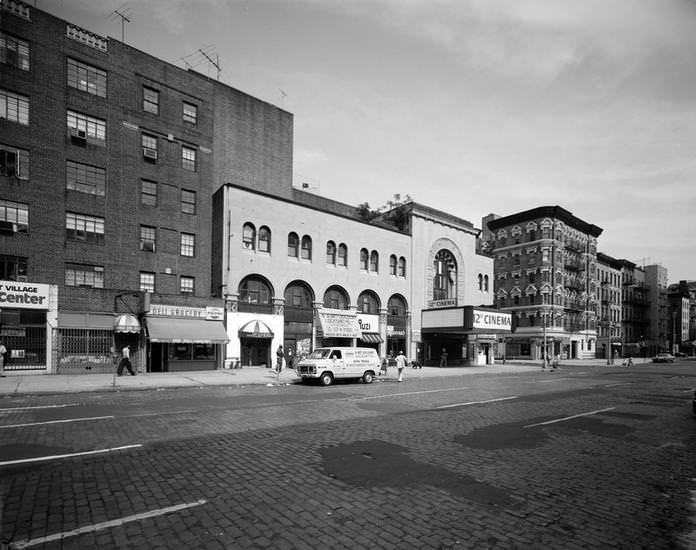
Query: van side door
{"points": [[338, 363]]}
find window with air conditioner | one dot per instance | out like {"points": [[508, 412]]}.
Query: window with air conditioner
{"points": [[147, 238], [14, 217], [149, 144], [150, 154], [14, 163]]}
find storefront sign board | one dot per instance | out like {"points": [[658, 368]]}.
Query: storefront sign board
{"points": [[23, 295], [337, 323]]}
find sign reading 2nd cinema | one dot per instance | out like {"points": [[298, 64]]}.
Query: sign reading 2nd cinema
{"points": [[491, 320]]}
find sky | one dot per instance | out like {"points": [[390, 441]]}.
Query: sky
{"points": [[468, 106]]}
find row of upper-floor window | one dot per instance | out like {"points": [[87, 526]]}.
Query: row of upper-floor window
{"points": [[16, 52], [14, 268], [84, 128], [14, 218], [301, 248], [255, 290]]}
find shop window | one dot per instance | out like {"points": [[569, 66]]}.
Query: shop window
{"points": [[364, 259], [342, 255], [14, 163], [254, 290], [190, 113], [402, 267], [188, 201], [81, 227], [264, 239], [299, 296], [13, 268], [188, 245], [148, 193], [307, 248], [293, 245], [147, 281], [91, 276], [396, 306], [191, 352], [186, 285], [14, 107], [84, 178], [331, 253], [86, 78], [374, 261], [368, 303], [14, 51], [249, 236], [150, 100], [147, 238], [14, 217]]}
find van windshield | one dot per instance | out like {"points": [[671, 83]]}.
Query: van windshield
{"points": [[320, 353]]}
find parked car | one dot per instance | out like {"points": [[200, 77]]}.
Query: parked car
{"points": [[680, 354], [663, 358]]}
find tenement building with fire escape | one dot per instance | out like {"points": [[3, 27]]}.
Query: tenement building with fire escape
{"points": [[609, 340], [545, 268]]}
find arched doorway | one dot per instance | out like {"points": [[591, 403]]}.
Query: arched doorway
{"points": [[298, 319], [255, 296], [397, 325], [368, 319]]}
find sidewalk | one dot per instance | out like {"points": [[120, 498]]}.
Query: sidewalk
{"points": [[19, 384]]}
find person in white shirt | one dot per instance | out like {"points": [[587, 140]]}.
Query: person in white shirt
{"points": [[3, 351], [125, 362], [400, 364]]}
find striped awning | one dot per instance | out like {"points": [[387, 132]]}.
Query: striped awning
{"points": [[255, 329], [371, 338], [126, 322]]}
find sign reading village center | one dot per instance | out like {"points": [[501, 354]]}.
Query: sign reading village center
{"points": [[23, 295]]}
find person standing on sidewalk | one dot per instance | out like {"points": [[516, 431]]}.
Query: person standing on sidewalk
{"points": [[125, 362], [400, 364], [3, 352], [279, 359]]}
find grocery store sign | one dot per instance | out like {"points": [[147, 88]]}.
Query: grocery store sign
{"points": [[23, 295]]}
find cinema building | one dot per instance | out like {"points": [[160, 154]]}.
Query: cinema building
{"points": [[303, 271]]}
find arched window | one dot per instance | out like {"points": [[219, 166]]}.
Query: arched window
{"points": [[293, 245], [254, 291], [392, 265], [445, 279], [485, 283], [396, 306], [331, 253], [264, 239], [307, 248], [342, 255], [336, 298], [374, 261], [368, 302], [364, 258], [480, 281], [249, 236], [402, 267], [298, 295]]}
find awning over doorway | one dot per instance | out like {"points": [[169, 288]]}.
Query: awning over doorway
{"points": [[126, 322], [186, 331], [371, 338], [255, 329]]}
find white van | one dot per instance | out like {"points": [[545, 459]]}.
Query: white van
{"points": [[327, 364]]}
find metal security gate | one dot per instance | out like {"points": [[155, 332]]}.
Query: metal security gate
{"points": [[26, 347], [85, 351]]}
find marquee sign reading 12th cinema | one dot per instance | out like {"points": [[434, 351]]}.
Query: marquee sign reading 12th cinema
{"points": [[491, 320]]}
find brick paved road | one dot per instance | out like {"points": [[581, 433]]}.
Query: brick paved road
{"points": [[414, 465]]}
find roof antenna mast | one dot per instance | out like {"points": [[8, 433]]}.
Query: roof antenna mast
{"points": [[124, 14]]}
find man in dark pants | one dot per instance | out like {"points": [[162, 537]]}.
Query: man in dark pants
{"points": [[125, 362]]}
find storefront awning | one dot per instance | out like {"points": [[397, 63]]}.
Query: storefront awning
{"points": [[255, 329], [126, 322], [186, 331], [371, 338]]}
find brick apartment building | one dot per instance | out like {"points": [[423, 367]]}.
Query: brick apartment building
{"points": [[609, 322], [108, 161], [545, 264]]}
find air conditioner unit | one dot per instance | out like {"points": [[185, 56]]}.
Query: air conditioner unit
{"points": [[78, 136], [150, 154], [170, 137], [248, 245], [7, 227], [147, 246]]}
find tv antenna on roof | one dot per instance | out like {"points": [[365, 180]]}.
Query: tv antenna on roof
{"points": [[203, 55], [125, 15]]}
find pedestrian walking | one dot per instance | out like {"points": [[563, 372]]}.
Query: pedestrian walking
{"points": [[400, 364], [443, 358], [279, 359], [556, 361], [125, 362], [3, 352]]}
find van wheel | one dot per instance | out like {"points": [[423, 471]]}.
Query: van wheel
{"points": [[368, 377], [326, 379]]}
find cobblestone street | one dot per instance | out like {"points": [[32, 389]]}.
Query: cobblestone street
{"points": [[581, 459]]}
